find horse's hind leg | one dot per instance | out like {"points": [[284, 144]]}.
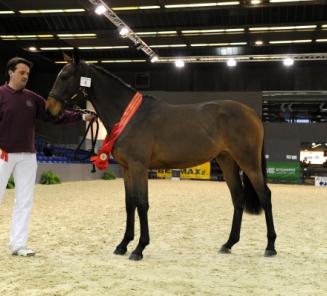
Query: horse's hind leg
{"points": [[233, 180], [257, 179]]}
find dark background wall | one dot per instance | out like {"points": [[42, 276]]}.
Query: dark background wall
{"points": [[283, 139], [218, 77], [258, 76]]}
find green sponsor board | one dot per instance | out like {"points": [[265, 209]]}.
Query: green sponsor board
{"points": [[286, 172]]}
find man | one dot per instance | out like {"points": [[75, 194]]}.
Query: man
{"points": [[19, 109]]}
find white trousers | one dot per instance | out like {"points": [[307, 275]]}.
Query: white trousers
{"points": [[23, 167]]}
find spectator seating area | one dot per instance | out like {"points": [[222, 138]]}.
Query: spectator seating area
{"points": [[57, 154]]}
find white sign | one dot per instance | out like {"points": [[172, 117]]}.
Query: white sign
{"points": [[320, 181], [85, 81]]}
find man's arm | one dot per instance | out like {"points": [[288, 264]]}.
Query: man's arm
{"points": [[65, 118]]}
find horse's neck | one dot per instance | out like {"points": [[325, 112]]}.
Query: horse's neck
{"points": [[109, 97]]}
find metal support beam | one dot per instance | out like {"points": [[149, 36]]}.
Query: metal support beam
{"points": [[118, 22]]}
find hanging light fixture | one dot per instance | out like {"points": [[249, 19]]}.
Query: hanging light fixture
{"points": [[288, 62], [231, 62], [154, 58], [179, 63], [123, 31], [100, 9]]}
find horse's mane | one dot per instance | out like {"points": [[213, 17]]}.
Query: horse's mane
{"points": [[114, 77], [105, 71]]}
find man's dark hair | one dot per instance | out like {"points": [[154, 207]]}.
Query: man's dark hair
{"points": [[12, 63]]}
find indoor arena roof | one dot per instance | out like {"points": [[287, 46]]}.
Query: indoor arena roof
{"points": [[195, 30]]}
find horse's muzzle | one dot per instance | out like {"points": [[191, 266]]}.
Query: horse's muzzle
{"points": [[53, 106]]}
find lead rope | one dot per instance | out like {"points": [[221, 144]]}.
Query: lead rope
{"points": [[94, 137]]}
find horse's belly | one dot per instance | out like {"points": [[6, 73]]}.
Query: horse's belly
{"points": [[181, 154]]}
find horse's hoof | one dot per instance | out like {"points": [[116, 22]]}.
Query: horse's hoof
{"points": [[135, 257], [224, 250], [120, 251], [270, 253]]}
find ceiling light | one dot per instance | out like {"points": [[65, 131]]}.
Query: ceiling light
{"points": [[288, 62], [8, 37], [209, 31], [123, 31], [74, 10], [255, 2], [122, 61], [36, 11], [167, 45], [209, 4], [100, 9], [135, 7], [235, 30], [282, 28], [26, 37], [179, 63], [282, 1], [238, 43], [102, 47], [166, 32], [74, 36], [258, 42], [32, 48], [57, 48], [154, 58], [125, 8], [290, 41], [229, 3], [45, 36], [231, 62], [160, 33], [7, 12], [189, 5], [217, 44]]}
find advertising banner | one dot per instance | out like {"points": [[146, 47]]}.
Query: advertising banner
{"points": [[320, 181], [284, 172], [198, 172]]}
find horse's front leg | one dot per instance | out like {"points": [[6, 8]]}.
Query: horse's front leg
{"points": [[139, 180], [130, 203], [136, 186]]}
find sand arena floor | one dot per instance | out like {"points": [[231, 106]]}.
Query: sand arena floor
{"points": [[76, 226]]}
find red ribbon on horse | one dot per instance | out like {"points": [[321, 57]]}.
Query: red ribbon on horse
{"points": [[101, 160]]}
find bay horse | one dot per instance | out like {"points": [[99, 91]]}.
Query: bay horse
{"points": [[161, 135]]}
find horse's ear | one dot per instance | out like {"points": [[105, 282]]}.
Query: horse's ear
{"points": [[76, 57], [67, 58]]}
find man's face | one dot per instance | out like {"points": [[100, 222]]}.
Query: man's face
{"points": [[19, 77]]}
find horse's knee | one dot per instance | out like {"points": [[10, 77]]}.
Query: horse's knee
{"points": [[143, 208]]}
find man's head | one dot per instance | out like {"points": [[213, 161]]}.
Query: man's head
{"points": [[18, 70]]}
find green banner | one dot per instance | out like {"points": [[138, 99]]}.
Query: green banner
{"points": [[284, 172]]}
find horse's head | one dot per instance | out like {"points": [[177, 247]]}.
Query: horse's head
{"points": [[66, 86]]}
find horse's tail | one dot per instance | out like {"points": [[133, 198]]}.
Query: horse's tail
{"points": [[252, 202]]}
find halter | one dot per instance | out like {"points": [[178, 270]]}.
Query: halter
{"points": [[80, 91]]}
